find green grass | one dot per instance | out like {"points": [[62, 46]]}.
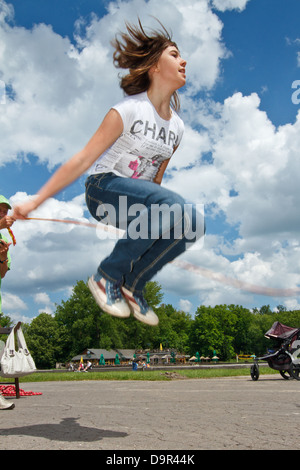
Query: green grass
{"points": [[153, 375]]}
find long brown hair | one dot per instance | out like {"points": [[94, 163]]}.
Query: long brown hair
{"points": [[138, 52]]}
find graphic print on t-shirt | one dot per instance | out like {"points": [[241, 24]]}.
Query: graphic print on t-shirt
{"points": [[141, 164]]}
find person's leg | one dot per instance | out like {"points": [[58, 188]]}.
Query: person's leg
{"points": [[106, 291], [121, 202], [130, 204], [157, 228], [188, 228], [186, 231]]}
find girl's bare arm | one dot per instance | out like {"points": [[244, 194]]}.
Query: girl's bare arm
{"points": [[109, 130]]}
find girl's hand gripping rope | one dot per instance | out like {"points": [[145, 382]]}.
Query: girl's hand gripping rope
{"points": [[22, 211]]}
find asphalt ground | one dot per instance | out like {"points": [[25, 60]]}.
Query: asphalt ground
{"points": [[178, 415]]}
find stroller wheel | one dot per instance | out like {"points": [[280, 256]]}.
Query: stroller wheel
{"points": [[286, 374], [254, 372], [295, 370]]}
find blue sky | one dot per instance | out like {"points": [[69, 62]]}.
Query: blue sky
{"points": [[262, 60], [239, 155]]}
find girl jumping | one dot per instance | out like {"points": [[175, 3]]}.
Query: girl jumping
{"points": [[127, 157]]}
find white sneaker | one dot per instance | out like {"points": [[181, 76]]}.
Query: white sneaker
{"points": [[140, 309], [5, 405], [109, 297]]}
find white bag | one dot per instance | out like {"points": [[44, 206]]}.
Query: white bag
{"points": [[16, 363]]}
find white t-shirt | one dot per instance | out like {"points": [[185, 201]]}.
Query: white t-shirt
{"points": [[147, 140]]}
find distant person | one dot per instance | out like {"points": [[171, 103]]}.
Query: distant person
{"points": [[88, 366]]}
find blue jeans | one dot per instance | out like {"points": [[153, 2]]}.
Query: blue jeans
{"points": [[150, 240]]}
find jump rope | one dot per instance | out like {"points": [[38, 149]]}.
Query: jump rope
{"points": [[218, 277]]}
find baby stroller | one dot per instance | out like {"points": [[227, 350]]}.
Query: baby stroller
{"points": [[285, 359]]}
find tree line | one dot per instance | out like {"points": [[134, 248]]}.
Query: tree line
{"points": [[78, 323]]}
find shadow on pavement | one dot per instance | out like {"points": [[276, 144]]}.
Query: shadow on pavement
{"points": [[67, 430]]}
